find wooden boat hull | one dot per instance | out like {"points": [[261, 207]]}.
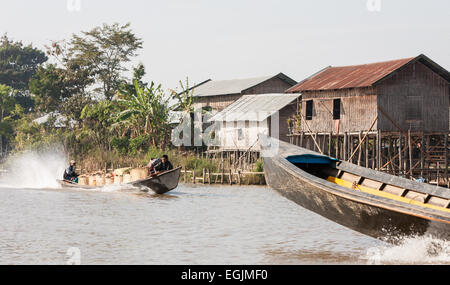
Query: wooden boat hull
{"points": [[160, 184], [372, 215]]}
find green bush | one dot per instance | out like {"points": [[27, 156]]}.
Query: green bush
{"points": [[139, 144], [198, 164], [259, 165], [121, 144]]}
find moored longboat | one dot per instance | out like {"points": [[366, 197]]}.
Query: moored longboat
{"points": [[368, 201]]}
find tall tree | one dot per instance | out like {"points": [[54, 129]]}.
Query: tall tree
{"points": [[7, 104], [105, 50], [18, 63]]}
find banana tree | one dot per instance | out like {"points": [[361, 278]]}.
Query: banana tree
{"points": [[146, 112]]}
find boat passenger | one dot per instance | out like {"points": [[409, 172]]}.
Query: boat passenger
{"points": [[152, 163], [70, 174], [163, 165]]}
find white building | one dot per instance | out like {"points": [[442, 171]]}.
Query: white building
{"points": [[238, 125]]}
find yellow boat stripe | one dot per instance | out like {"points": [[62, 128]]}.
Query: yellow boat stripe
{"points": [[376, 192]]}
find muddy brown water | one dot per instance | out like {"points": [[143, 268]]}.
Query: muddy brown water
{"points": [[191, 225]]}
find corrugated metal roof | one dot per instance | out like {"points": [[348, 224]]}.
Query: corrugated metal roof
{"points": [[354, 76], [224, 87], [254, 107], [234, 86]]}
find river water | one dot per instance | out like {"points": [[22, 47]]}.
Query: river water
{"points": [[191, 225]]}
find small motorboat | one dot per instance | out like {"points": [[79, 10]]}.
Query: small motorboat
{"points": [[374, 203], [160, 183]]}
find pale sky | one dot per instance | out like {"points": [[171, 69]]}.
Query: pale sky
{"points": [[246, 38]]}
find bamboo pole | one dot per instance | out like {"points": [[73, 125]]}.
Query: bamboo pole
{"points": [[337, 147], [306, 124], [422, 155], [378, 137], [446, 157], [360, 150], [365, 136], [345, 146], [329, 143], [410, 153], [390, 155], [323, 144], [367, 152]]}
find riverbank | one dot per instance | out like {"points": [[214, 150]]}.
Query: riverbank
{"points": [[197, 167]]}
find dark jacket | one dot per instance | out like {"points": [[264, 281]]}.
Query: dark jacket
{"points": [[69, 173], [161, 166]]}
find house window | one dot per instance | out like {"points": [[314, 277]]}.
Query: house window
{"points": [[309, 109], [336, 109], [240, 134]]}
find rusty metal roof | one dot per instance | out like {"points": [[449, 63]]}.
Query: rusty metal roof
{"points": [[356, 76], [254, 107]]}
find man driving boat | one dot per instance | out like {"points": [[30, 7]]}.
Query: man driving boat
{"points": [[70, 174]]}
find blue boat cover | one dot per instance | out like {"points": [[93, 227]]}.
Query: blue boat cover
{"points": [[310, 159]]}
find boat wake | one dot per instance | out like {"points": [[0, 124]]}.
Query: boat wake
{"points": [[37, 170], [411, 250]]}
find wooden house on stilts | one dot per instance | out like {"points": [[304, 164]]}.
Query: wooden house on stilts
{"points": [[391, 116]]}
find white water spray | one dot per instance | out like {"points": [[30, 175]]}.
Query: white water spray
{"points": [[36, 170], [412, 250]]}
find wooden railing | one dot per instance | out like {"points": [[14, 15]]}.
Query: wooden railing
{"points": [[225, 177]]}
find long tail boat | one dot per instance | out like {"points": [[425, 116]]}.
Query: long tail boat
{"points": [[160, 183], [371, 202]]}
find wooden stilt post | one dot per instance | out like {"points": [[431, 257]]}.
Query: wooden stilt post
{"points": [[360, 149], [422, 155], [223, 174], [367, 153], [390, 154], [330, 136], [323, 143], [316, 137], [345, 146], [410, 153], [446, 157], [374, 151], [379, 150], [204, 176], [400, 164], [350, 148], [337, 147]]}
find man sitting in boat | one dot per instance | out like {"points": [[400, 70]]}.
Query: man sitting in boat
{"points": [[163, 165], [69, 173]]}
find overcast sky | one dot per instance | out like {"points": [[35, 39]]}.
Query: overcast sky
{"points": [[246, 38]]}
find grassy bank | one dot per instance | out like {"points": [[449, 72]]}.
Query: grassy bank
{"points": [[97, 160]]}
